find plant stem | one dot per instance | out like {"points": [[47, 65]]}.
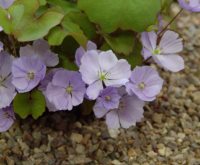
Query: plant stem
{"points": [[160, 33]]}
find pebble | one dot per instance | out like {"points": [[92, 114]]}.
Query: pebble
{"points": [[77, 138]]}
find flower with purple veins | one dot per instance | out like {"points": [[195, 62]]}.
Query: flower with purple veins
{"points": [[7, 90], [129, 112], [81, 51], [66, 90], [40, 49], [7, 118], [145, 83], [108, 99], [165, 52], [6, 3], [27, 73], [190, 5], [103, 68]]}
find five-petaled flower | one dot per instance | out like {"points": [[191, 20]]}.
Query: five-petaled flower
{"points": [[129, 111], [65, 90], [165, 51], [99, 69], [27, 73], [145, 83]]}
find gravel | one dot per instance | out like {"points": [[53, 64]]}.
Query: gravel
{"points": [[169, 133]]}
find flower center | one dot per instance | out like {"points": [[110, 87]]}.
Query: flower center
{"points": [[69, 89], [141, 85], [102, 76], [156, 51], [108, 98], [31, 75]]}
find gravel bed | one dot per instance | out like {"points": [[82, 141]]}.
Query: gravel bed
{"points": [[168, 135]]}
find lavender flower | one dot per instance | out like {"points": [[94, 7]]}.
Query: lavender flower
{"points": [[81, 51], [145, 83], [103, 68], [129, 112], [165, 52], [27, 73], [108, 99], [7, 118], [40, 49], [7, 90], [190, 5], [66, 90], [6, 3]]}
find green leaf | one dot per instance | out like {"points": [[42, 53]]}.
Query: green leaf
{"points": [[29, 20], [5, 21], [65, 5], [122, 43], [29, 104], [74, 30], [66, 63], [40, 27], [42, 2], [135, 58], [56, 36], [84, 23], [134, 15]]}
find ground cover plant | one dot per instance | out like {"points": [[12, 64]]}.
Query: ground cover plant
{"points": [[60, 54]]}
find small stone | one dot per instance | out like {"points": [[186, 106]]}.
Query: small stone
{"points": [[80, 149], [132, 152], [77, 138], [152, 154], [161, 149], [196, 97], [157, 118], [116, 162]]}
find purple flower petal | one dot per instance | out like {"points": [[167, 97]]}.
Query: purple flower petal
{"points": [[132, 113], [169, 45], [6, 118], [192, 5], [103, 67], [48, 78], [41, 50], [7, 90], [129, 112], [108, 99], [145, 83], [65, 90], [94, 89], [174, 63], [27, 73], [6, 3], [112, 120], [81, 51]]}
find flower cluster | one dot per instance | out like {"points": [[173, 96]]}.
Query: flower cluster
{"points": [[119, 92]]}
